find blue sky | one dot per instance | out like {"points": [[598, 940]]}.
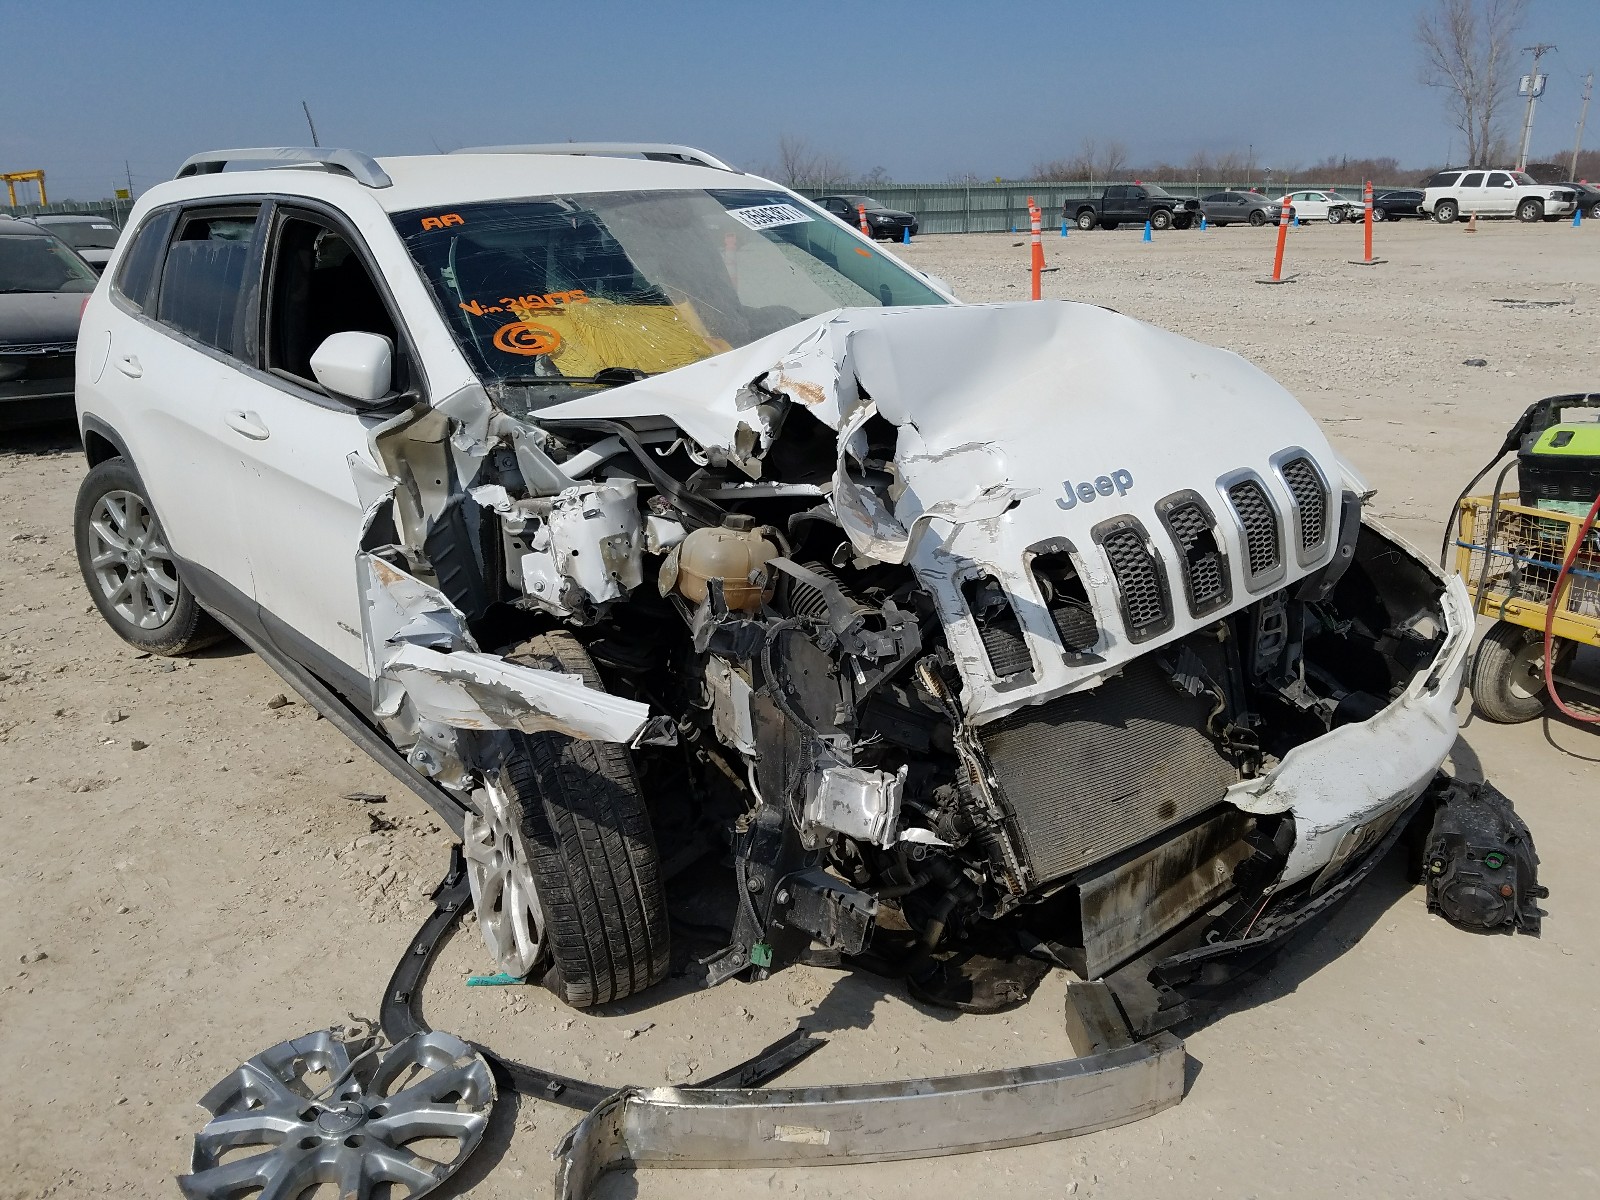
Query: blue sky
{"points": [[921, 89]]}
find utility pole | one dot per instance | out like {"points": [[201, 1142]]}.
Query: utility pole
{"points": [[127, 170], [313, 124], [1583, 115], [1534, 88]]}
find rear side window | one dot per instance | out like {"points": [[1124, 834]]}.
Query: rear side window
{"points": [[1473, 180], [202, 282], [136, 277], [1442, 179]]}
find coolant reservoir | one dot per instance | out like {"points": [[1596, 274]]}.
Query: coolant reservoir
{"points": [[732, 554]]}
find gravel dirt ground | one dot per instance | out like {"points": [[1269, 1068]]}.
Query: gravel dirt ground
{"points": [[185, 883]]}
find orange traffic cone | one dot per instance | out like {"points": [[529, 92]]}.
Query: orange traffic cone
{"points": [[1472, 223]]}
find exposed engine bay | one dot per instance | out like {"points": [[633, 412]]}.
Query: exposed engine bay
{"points": [[957, 634]]}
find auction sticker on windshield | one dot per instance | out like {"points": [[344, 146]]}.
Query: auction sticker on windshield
{"points": [[768, 216]]}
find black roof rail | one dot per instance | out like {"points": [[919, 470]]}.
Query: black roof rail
{"points": [[358, 166], [654, 151]]}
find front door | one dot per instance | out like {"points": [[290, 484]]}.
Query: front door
{"points": [[303, 512], [1500, 194]]}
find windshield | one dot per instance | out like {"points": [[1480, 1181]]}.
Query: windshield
{"points": [[86, 235], [561, 288], [38, 263], [1156, 190], [1523, 178]]}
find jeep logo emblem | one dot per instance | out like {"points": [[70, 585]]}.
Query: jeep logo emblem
{"points": [[1119, 482]]}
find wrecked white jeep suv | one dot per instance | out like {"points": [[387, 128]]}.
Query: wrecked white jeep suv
{"points": [[679, 543]]}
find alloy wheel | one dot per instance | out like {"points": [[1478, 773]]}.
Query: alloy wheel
{"points": [[130, 560], [500, 873]]}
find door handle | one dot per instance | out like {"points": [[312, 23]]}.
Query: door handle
{"points": [[129, 366], [249, 424]]}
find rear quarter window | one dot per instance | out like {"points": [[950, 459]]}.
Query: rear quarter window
{"points": [[136, 275]]}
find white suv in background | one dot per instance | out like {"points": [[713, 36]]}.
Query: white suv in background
{"points": [[1450, 195]]}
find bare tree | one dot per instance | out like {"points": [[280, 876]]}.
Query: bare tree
{"points": [[965, 178], [802, 165], [1113, 160], [876, 177], [1467, 53]]}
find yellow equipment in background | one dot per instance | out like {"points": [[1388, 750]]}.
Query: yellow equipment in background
{"points": [[12, 178]]}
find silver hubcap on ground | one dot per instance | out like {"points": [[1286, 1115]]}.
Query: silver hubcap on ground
{"points": [[500, 873], [131, 563], [431, 1088]]}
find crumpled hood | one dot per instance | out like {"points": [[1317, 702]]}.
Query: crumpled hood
{"points": [[1018, 424]]}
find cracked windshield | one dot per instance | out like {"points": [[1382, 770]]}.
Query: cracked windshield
{"points": [[602, 289]]}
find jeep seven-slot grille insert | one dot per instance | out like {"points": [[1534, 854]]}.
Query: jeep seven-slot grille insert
{"points": [[1310, 499], [1205, 568], [1259, 521], [1140, 577]]}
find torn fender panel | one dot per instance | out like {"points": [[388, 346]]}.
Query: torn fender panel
{"points": [[470, 690], [419, 651], [1343, 786]]}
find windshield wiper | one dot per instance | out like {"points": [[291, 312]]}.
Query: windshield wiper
{"points": [[605, 377]]}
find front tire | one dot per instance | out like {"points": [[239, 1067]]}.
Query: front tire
{"points": [[129, 568], [1379, 214], [562, 858], [1335, 216], [1508, 674], [1258, 218], [1530, 211], [1446, 211], [1160, 218]]}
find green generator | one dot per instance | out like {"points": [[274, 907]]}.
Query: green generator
{"points": [[1559, 467]]}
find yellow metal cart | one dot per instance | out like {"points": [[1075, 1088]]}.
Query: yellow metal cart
{"points": [[1510, 556]]}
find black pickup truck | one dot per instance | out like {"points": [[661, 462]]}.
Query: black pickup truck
{"points": [[1133, 202]]}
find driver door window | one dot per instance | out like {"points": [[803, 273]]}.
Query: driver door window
{"points": [[318, 287]]}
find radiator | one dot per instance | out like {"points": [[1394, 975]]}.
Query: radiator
{"points": [[1092, 774]]}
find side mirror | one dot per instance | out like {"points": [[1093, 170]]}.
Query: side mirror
{"points": [[357, 366], [938, 282]]}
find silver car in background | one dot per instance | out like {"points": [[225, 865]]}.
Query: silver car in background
{"points": [[1241, 208]]}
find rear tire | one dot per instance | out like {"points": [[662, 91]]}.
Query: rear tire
{"points": [[1508, 674], [1087, 220], [1446, 211], [586, 834], [129, 568], [1530, 211]]}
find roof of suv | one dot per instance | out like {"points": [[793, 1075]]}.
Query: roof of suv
{"points": [[425, 181]]}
